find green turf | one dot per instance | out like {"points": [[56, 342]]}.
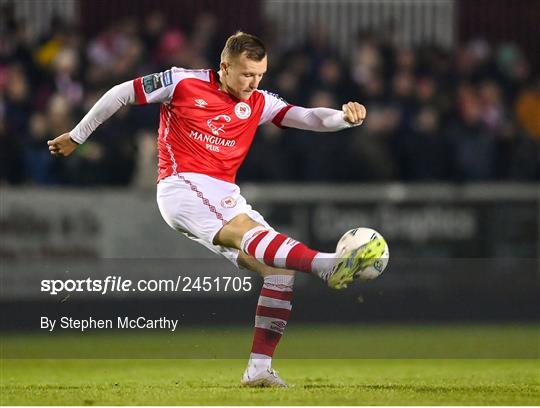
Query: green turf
{"points": [[345, 381], [507, 341], [316, 382]]}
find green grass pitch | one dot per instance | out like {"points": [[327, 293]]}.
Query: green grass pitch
{"points": [[409, 365]]}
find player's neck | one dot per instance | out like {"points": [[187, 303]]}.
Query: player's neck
{"points": [[221, 81], [223, 85]]}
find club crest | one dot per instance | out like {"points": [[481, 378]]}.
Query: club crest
{"points": [[228, 202], [242, 110]]}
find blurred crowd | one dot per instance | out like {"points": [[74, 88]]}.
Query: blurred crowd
{"points": [[468, 114]]}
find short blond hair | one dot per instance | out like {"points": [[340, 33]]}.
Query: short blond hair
{"points": [[241, 42]]}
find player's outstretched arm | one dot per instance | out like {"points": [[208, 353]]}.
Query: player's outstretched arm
{"points": [[325, 119], [105, 107]]}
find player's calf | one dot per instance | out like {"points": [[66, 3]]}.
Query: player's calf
{"points": [[280, 251], [361, 253]]}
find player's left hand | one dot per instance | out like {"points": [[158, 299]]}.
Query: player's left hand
{"points": [[354, 113]]}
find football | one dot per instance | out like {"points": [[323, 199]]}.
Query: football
{"points": [[360, 236]]}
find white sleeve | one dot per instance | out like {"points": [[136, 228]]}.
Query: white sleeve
{"points": [[105, 107], [274, 109], [315, 119], [153, 88]]}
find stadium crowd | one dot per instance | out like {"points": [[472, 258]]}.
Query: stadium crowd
{"points": [[467, 114]]}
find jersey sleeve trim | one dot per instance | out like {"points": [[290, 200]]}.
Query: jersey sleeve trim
{"points": [[140, 97], [280, 115]]}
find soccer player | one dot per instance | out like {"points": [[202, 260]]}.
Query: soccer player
{"points": [[207, 122]]}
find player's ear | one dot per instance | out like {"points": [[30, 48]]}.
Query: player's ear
{"points": [[224, 65]]}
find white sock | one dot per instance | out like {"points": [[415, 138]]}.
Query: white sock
{"points": [[258, 363], [322, 264]]}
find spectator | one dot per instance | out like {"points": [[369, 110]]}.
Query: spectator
{"points": [[425, 149], [472, 148], [414, 129], [369, 153], [528, 109]]}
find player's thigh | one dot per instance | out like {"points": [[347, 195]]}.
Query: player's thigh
{"points": [[246, 219], [232, 233]]}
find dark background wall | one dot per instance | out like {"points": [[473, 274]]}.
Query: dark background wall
{"points": [[502, 21], [233, 15]]}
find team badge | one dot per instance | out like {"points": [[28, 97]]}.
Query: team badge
{"points": [[228, 202], [242, 110]]}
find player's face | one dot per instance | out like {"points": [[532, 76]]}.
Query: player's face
{"points": [[242, 75]]}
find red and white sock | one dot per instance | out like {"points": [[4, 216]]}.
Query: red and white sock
{"points": [[279, 251], [273, 310]]}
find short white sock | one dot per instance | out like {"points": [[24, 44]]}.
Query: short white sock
{"points": [[258, 363], [322, 264]]}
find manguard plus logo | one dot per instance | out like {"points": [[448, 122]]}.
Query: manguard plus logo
{"points": [[242, 110]]}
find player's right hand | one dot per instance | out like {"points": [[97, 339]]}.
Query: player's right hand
{"points": [[62, 145]]}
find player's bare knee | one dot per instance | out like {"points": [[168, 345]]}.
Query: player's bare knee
{"points": [[232, 233]]}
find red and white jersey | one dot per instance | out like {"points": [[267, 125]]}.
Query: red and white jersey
{"points": [[203, 129]]}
